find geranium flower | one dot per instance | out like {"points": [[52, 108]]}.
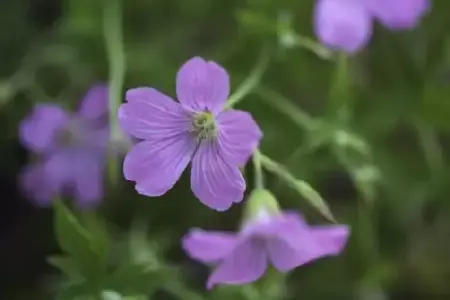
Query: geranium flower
{"points": [[347, 24], [195, 129], [282, 239], [71, 150]]}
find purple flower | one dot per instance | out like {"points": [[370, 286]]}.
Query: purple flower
{"points": [[347, 24], [284, 240], [196, 129], [71, 149]]}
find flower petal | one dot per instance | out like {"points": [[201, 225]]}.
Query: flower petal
{"points": [[202, 85], [151, 115], [399, 14], [214, 182], [342, 25], [332, 239], [208, 246], [239, 136], [297, 244], [245, 264], [95, 103], [39, 131], [58, 170], [34, 185], [88, 177], [156, 166]]}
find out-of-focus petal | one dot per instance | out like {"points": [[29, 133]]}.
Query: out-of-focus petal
{"points": [[156, 166], [34, 184], [331, 239], [399, 14], [95, 103], [39, 131], [342, 24], [151, 115], [238, 137], [96, 138], [87, 175], [202, 85], [214, 182], [267, 225], [58, 170], [297, 245], [208, 246], [245, 264]]}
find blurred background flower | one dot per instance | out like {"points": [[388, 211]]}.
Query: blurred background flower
{"points": [[71, 149]]}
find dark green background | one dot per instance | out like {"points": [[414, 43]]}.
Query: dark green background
{"points": [[53, 50]]}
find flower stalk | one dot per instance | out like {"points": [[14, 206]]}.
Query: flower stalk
{"points": [[112, 26], [252, 80]]}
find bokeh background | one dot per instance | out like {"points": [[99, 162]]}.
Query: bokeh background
{"points": [[383, 167]]}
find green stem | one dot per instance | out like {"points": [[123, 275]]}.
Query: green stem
{"points": [[275, 168], [259, 176], [252, 80], [112, 29], [302, 187], [431, 149], [339, 98], [301, 118], [313, 46]]}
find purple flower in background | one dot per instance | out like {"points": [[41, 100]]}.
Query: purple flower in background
{"points": [[71, 149], [284, 240], [347, 24], [196, 129]]}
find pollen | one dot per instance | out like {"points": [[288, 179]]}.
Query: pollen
{"points": [[204, 125]]}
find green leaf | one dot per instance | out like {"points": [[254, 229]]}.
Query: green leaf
{"points": [[111, 295], [75, 292], [66, 265], [98, 229], [132, 279], [71, 235], [85, 243]]}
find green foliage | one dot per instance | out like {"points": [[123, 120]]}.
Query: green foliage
{"points": [[85, 242], [377, 124]]}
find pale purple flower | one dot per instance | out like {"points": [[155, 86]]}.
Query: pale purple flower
{"points": [[347, 24], [284, 240], [197, 129], [71, 150]]}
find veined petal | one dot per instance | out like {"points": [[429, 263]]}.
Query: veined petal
{"points": [[95, 103], [151, 115], [214, 182], [39, 131], [238, 137], [245, 264], [202, 85], [156, 166], [342, 24], [87, 175], [208, 246], [399, 14]]}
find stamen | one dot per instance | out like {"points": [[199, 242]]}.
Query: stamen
{"points": [[204, 125]]}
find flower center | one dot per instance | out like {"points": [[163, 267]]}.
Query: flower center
{"points": [[204, 125], [70, 135]]}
